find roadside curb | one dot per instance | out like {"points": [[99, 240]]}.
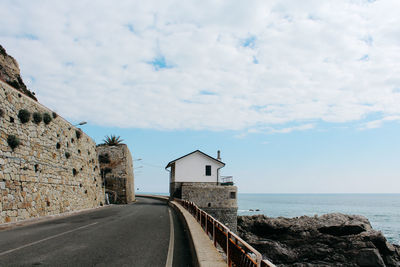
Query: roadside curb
{"points": [[7, 226]]}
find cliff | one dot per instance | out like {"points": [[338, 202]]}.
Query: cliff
{"points": [[10, 73], [328, 240]]}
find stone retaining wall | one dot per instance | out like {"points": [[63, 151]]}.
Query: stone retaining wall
{"points": [[53, 170], [117, 171], [217, 200]]}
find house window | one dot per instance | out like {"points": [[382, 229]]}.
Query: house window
{"points": [[233, 195], [208, 170]]}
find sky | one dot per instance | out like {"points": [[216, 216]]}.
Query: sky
{"points": [[299, 96]]}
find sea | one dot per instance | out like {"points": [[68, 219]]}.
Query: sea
{"points": [[382, 210]]}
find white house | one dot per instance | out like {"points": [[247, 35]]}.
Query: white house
{"points": [[195, 167], [195, 177]]}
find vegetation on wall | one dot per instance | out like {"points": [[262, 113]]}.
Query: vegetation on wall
{"points": [[113, 140], [24, 115], [54, 115], [104, 158], [1, 113], [67, 155], [78, 134], [104, 171], [46, 118], [37, 117], [13, 141]]}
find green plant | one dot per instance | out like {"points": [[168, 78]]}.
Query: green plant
{"points": [[67, 155], [24, 115], [54, 115], [78, 134], [113, 140], [104, 171], [46, 118], [104, 158], [13, 141], [37, 117]]}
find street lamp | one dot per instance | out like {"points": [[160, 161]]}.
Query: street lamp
{"points": [[81, 123]]}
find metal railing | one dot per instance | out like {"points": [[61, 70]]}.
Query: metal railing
{"points": [[227, 180], [238, 252]]}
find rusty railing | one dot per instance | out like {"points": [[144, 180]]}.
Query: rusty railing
{"points": [[238, 252]]}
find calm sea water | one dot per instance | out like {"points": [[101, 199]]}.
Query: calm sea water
{"points": [[382, 210]]}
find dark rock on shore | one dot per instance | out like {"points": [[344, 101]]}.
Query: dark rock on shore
{"points": [[9, 72], [328, 240]]}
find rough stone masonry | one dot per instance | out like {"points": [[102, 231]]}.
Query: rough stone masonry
{"points": [[116, 166], [47, 166]]}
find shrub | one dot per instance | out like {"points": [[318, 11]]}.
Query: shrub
{"points": [[54, 115], [104, 158], [67, 155], [78, 134], [37, 117], [113, 140], [74, 172], [1, 113], [13, 141], [46, 118], [24, 115], [104, 171]]}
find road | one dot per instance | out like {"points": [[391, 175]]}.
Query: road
{"points": [[137, 234]]}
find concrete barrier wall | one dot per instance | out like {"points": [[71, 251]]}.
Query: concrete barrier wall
{"points": [[53, 170]]}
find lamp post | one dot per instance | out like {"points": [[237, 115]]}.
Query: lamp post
{"points": [[81, 123]]}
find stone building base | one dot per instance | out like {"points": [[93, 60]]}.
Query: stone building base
{"points": [[227, 216]]}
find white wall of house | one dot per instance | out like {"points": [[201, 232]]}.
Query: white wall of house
{"points": [[192, 168]]}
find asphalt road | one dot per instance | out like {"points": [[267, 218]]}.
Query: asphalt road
{"points": [[137, 234]]}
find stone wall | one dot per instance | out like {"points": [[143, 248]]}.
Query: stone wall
{"points": [[117, 169], [217, 200], [53, 170]]}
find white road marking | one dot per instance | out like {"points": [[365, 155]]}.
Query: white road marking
{"points": [[170, 255], [45, 239]]}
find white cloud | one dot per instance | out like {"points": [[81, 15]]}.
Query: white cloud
{"points": [[294, 128], [378, 123], [261, 63]]}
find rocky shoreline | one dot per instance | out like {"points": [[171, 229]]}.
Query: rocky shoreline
{"points": [[329, 240]]}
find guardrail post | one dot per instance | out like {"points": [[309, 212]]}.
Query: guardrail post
{"points": [[227, 249], [206, 223], [215, 242]]}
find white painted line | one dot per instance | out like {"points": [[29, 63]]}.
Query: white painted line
{"points": [[170, 255], [45, 239]]}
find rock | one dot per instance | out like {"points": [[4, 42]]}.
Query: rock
{"points": [[10, 73], [328, 240], [369, 257]]}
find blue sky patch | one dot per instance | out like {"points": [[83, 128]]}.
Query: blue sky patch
{"points": [[364, 58], [130, 28], [255, 60], [205, 92], [160, 63], [249, 42]]}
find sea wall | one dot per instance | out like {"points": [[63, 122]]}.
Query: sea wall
{"points": [[116, 166], [217, 200], [52, 167]]}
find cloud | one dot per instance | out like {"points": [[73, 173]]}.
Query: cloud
{"points": [[378, 123], [294, 128], [225, 65]]}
